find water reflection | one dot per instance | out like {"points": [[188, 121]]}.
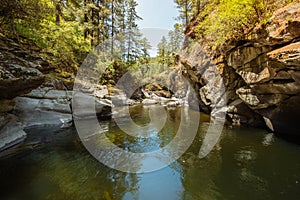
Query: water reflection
{"points": [[132, 154], [241, 167]]}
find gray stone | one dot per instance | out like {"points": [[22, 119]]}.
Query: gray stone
{"points": [[149, 102], [7, 105], [276, 88], [42, 112], [16, 80], [37, 93], [173, 104], [84, 106], [251, 77], [262, 81], [11, 134], [58, 94], [269, 124], [244, 54], [101, 92], [120, 100]]}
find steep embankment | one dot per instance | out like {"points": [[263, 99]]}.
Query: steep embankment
{"points": [[32, 96], [261, 75], [21, 71]]}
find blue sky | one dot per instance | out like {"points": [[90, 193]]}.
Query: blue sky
{"points": [[157, 13], [158, 18]]}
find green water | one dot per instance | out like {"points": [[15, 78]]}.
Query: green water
{"points": [[246, 164]]}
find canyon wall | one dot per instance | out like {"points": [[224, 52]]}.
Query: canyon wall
{"points": [[261, 75]]}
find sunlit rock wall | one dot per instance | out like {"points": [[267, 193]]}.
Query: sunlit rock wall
{"points": [[261, 74]]}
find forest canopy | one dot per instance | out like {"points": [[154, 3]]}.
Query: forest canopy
{"points": [[67, 30]]}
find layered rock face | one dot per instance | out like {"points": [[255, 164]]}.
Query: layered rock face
{"points": [[28, 100], [261, 75], [17, 76]]}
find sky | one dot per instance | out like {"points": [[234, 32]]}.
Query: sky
{"points": [[158, 18], [157, 13]]}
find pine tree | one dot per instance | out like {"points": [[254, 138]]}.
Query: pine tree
{"points": [[196, 7], [132, 33], [176, 38], [162, 54], [185, 7]]}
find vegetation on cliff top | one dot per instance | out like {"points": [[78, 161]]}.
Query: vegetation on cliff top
{"points": [[219, 21]]}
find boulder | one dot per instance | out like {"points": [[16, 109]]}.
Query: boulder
{"points": [[7, 105], [119, 100], [244, 54], [12, 133], [42, 112], [85, 106], [284, 118], [172, 104], [288, 55], [149, 102], [101, 92], [16, 80], [282, 28]]}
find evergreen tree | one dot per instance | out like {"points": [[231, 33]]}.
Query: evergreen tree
{"points": [[175, 37], [185, 8], [145, 47], [69, 29], [132, 33], [162, 54]]}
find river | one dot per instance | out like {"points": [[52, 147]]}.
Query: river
{"points": [[247, 163]]}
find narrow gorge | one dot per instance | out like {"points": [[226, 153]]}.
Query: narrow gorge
{"points": [[93, 105]]}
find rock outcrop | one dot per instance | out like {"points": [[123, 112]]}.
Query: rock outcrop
{"points": [[261, 75], [45, 108], [28, 100], [16, 80], [17, 76]]}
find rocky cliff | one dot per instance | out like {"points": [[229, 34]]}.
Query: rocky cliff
{"points": [[31, 97], [261, 75]]}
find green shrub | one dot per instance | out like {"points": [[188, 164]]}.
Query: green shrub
{"points": [[220, 21]]}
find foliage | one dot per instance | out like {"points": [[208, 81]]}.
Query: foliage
{"points": [[229, 19], [67, 30], [188, 9], [233, 19], [65, 42], [221, 20], [169, 47], [11, 10]]}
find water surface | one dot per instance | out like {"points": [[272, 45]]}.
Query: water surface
{"points": [[246, 164]]}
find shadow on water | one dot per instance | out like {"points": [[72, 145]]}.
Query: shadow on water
{"points": [[246, 164]]}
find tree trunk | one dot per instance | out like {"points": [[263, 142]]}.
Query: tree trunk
{"points": [[58, 13], [186, 13], [85, 20], [92, 31], [112, 26], [198, 6], [98, 22]]}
